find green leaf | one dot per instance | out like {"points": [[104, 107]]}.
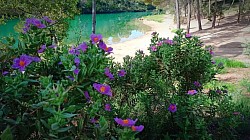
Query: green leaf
{"points": [[32, 81], [71, 108], [103, 124], [54, 126], [39, 104], [22, 83], [51, 110], [64, 129], [44, 123], [11, 121], [68, 115], [6, 135]]}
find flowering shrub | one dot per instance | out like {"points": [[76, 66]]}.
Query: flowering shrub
{"points": [[56, 91], [165, 90], [51, 91]]}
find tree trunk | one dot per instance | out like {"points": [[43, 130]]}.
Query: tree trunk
{"points": [[209, 8], [214, 14], [185, 10], [177, 9], [198, 14], [193, 9], [189, 16], [93, 16], [238, 20]]}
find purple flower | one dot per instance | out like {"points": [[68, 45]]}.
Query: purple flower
{"points": [[137, 128], [42, 49], [107, 107], [153, 48], [218, 91], [188, 36], [126, 122], [27, 24], [86, 94], [159, 43], [95, 38], [210, 51], [108, 73], [197, 84], [38, 24], [70, 78], [170, 42], [74, 51], [53, 46], [121, 73], [22, 62], [103, 89], [60, 63], [213, 62], [47, 19], [192, 92], [236, 113], [83, 47], [5, 73], [76, 71], [153, 33], [172, 108], [77, 61], [35, 59], [104, 47], [93, 120], [26, 29]]}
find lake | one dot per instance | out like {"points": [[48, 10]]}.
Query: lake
{"points": [[115, 27]]}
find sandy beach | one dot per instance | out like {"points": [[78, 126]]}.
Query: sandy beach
{"points": [[142, 43], [220, 38]]}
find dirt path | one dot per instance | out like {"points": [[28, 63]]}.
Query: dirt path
{"points": [[234, 75], [227, 37]]}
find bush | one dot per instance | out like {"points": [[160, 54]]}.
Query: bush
{"points": [[56, 92], [165, 90], [51, 91]]}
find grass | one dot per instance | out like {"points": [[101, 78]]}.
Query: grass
{"points": [[229, 63], [245, 83], [157, 18], [232, 88]]}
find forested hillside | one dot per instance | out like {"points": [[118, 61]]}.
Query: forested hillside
{"points": [[110, 6]]}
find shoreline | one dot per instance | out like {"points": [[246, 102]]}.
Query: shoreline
{"points": [[129, 47]]}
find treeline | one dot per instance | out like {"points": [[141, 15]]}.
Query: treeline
{"points": [[113, 6], [213, 10]]}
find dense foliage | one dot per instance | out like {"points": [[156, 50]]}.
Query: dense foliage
{"points": [[54, 91], [59, 11], [165, 90], [104, 6]]}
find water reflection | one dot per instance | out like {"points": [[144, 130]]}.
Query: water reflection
{"points": [[115, 28], [133, 34]]}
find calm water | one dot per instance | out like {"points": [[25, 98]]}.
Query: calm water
{"points": [[8, 28], [117, 27]]}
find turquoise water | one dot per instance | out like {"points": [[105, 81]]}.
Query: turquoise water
{"points": [[8, 28], [117, 27]]}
